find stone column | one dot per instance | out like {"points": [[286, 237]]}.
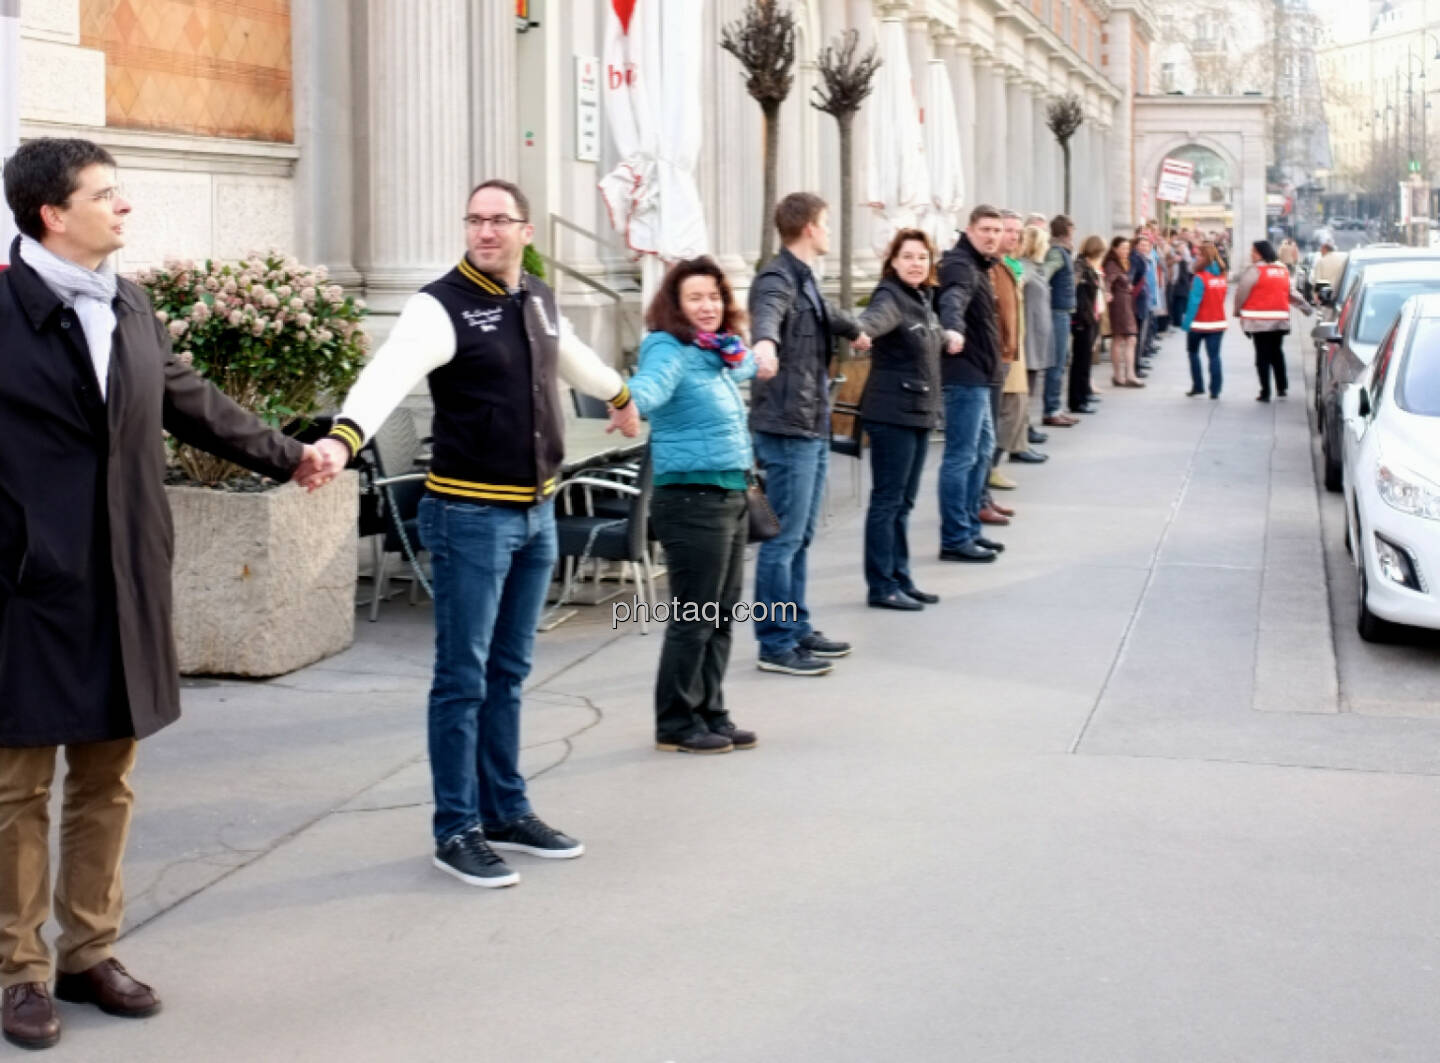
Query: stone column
{"points": [[989, 129], [412, 148], [1019, 146], [493, 79], [960, 61], [324, 173], [1046, 160]]}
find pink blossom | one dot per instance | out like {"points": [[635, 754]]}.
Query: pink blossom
{"points": [[284, 291], [334, 294], [178, 327], [325, 335], [308, 294], [303, 320], [296, 304], [270, 300], [258, 328], [200, 312], [230, 287], [236, 318], [162, 316], [212, 284]]}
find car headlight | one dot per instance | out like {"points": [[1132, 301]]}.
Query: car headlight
{"points": [[1404, 490]]}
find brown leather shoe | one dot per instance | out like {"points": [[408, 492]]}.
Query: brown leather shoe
{"points": [[991, 515], [30, 1020], [1004, 511], [1061, 420], [110, 988]]}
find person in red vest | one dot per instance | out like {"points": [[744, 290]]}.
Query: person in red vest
{"points": [[1204, 320], [1263, 298]]}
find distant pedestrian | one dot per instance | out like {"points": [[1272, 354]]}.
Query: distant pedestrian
{"points": [[1204, 320], [1060, 274], [1085, 324], [1120, 297], [1263, 298], [900, 406], [690, 366]]}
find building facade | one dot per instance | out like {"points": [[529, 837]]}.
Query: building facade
{"points": [[350, 132]]}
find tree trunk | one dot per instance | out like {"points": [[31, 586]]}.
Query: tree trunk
{"points": [[1065, 148], [772, 168], [847, 208]]}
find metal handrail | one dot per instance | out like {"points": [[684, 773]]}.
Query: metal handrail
{"points": [[555, 222]]}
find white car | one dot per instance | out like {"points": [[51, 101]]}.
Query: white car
{"points": [[1391, 434]]}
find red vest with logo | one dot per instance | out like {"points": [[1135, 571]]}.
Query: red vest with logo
{"points": [[1269, 300], [1210, 314]]}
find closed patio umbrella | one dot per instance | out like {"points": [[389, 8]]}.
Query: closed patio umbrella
{"points": [[897, 181]]}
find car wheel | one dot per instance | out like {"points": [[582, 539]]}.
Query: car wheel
{"points": [[1371, 627], [1334, 471]]}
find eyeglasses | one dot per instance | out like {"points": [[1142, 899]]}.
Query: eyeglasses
{"points": [[500, 222], [107, 195]]}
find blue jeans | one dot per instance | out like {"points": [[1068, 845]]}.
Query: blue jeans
{"points": [[1055, 375], [795, 471], [1211, 340], [897, 459], [491, 569], [969, 444]]}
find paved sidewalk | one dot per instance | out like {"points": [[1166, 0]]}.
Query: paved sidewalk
{"points": [[1090, 807]]}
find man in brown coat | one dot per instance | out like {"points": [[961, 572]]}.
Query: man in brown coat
{"points": [[87, 656]]}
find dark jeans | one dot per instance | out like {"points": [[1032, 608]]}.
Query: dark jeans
{"points": [[491, 568], [1144, 332], [897, 458], [1270, 357], [1082, 339], [795, 487], [1193, 339], [1055, 374], [969, 444], [703, 530]]}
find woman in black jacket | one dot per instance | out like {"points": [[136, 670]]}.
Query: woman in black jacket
{"points": [[1085, 323], [900, 405]]}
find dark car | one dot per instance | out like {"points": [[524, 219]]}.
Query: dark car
{"points": [[1329, 309], [1350, 341]]}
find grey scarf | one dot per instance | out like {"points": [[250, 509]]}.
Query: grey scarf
{"points": [[91, 293]]}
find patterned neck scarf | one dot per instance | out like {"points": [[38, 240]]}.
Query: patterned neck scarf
{"points": [[730, 347]]}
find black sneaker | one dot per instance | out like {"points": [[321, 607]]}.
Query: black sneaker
{"points": [[738, 739], [794, 662], [817, 645], [990, 544], [529, 834], [470, 859], [701, 742]]}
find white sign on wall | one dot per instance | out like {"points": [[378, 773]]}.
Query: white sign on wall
{"points": [[1175, 176], [587, 108]]}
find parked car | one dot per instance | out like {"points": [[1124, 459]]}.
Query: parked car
{"points": [[1392, 475], [1351, 342]]}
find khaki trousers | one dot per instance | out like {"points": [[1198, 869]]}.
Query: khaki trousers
{"points": [[94, 824], [1012, 436]]}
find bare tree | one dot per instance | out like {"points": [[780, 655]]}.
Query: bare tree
{"points": [[763, 39], [847, 78], [1064, 116]]}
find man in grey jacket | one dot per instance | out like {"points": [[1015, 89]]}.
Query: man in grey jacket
{"points": [[796, 326]]}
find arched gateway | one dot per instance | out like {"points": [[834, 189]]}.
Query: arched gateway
{"points": [[1224, 137]]}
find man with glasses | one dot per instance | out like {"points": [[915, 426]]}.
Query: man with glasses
{"points": [[492, 343], [87, 655]]}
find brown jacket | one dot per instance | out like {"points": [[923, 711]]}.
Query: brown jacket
{"points": [[1007, 309], [86, 649]]}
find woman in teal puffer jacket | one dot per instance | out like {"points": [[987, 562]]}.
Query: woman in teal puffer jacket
{"points": [[690, 366]]}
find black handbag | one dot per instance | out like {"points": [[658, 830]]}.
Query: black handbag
{"points": [[764, 524]]}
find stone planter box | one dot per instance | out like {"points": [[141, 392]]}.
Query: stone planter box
{"points": [[264, 581]]}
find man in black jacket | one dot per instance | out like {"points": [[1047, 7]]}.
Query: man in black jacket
{"points": [[790, 416], [968, 314]]}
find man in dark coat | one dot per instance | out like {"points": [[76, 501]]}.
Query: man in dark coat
{"points": [[87, 656]]}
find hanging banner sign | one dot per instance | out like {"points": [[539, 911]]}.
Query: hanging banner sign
{"points": [[1175, 178]]}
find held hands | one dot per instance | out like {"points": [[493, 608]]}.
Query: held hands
{"points": [[321, 463], [626, 419], [954, 342], [861, 342], [766, 362]]}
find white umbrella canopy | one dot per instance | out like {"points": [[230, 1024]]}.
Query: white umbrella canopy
{"points": [[897, 180], [653, 104], [941, 217]]}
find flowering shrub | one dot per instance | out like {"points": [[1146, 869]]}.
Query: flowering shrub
{"points": [[270, 333]]}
